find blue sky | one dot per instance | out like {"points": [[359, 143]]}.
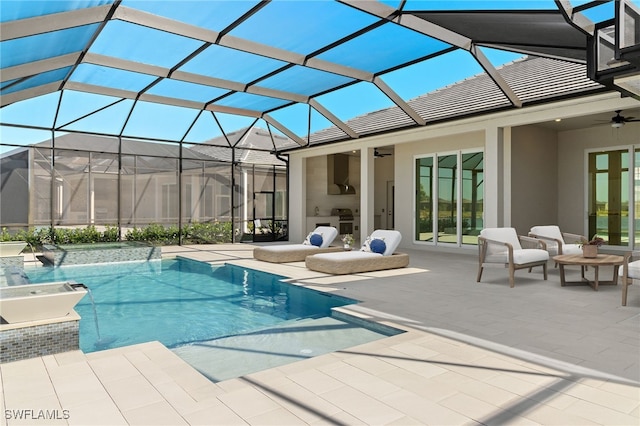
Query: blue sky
{"points": [[169, 122]]}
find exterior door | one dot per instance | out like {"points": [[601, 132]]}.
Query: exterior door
{"points": [[608, 199]]}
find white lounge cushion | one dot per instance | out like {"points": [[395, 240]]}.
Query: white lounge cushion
{"points": [[634, 270], [348, 255], [390, 237], [328, 233], [283, 248]]}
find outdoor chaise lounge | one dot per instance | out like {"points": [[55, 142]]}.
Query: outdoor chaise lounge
{"points": [[317, 241], [377, 253], [11, 248]]}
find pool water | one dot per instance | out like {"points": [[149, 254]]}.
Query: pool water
{"points": [[206, 313]]}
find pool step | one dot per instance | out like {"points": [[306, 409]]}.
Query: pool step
{"points": [[236, 356]]}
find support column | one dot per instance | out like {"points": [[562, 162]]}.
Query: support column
{"points": [[367, 192], [497, 177], [297, 198]]}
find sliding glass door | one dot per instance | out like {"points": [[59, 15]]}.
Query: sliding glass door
{"points": [[608, 195], [449, 198]]}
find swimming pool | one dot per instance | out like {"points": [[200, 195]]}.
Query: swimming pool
{"points": [[194, 308]]}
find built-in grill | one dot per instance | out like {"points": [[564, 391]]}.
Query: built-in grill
{"points": [[345, 218]]}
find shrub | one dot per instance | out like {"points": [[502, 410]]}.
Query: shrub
{"points": [[207, 233], [195, 233]]}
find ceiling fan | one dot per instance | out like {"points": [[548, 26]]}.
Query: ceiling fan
{"points": [[619, 121], [379, 154]]}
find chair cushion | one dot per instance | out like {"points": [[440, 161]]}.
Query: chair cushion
{"points": [[523, 256], [634, 270], [505, 235], [549, 231], [520, 257], [571, 249]]}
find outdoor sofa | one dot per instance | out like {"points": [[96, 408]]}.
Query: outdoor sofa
{"points": [[318, 241], [377, 253]]}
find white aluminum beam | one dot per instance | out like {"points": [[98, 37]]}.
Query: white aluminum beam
{"points": [[578, 19], [261, 49], [410, 21], [149, 20], [37, 67], [332, 118], [496, 77], [127, 94], [275, 123], [208, 81], [334, 68], [54, 22], [22, 95], [100, 90], [232, 110], [179, 28], [399, 101], [278, 94], [123, 64], [171, 101]]}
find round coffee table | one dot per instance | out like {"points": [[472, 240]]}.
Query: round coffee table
{"points": [[595, 262]]}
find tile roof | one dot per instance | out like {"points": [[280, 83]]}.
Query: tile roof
{"points": [[533, 80]]}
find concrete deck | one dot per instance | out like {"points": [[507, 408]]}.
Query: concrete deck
{"points": [[473, 353]]}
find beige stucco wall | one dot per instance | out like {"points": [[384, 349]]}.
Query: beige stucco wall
{"points": [[317, 179], [384, 173], [534, 177]]}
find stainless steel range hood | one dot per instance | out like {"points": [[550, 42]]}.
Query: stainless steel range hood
{"points": [[338, 175]]}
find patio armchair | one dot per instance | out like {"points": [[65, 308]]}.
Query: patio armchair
{"points": [[557, 242], [504, 246], [629, 271]]}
